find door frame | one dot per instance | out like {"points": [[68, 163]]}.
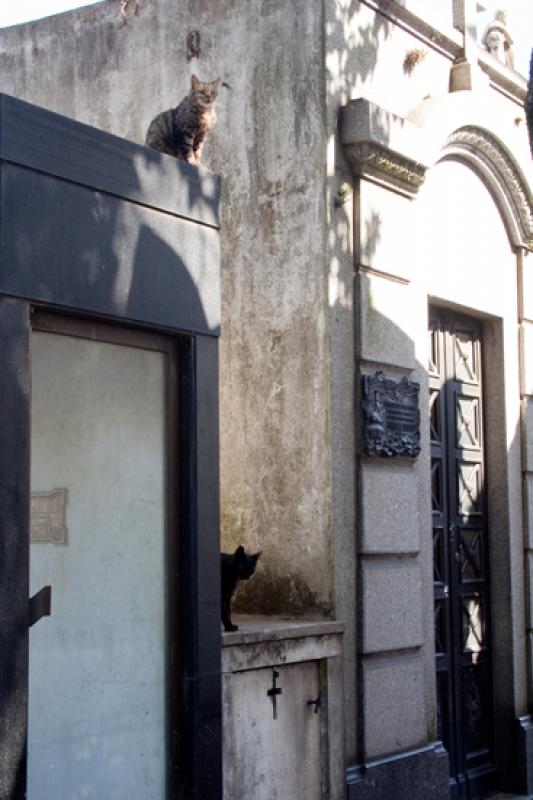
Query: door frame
{"points": [[176, 471], [103, 230], [193, 483]]}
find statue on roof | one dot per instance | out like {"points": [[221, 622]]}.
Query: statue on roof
{"points": [[498, 41]]}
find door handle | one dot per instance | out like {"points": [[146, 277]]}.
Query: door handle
{"points": [[40, 605]]}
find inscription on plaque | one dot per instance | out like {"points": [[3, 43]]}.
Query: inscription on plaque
{"points": [[48, 516], [391, 416]]}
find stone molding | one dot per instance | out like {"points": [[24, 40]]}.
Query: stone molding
{"points": [[397, 153], [507, 81], [383, 146], [502, 177], [369, 159], [449, 42]]}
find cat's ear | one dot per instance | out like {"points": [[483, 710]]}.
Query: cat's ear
{"points": [[239, 552], [194, 81], [216, 84], [258, 555]]}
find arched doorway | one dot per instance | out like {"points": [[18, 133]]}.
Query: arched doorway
{"points": [[469, 222]]}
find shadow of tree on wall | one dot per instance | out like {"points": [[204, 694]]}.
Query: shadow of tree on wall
{"points": [[352, 52], [352, 46]]}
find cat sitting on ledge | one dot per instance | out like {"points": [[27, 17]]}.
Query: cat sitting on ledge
{"points": [[181, 131], [234, 567]]}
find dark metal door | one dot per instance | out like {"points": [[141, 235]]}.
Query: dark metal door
{"points": [[460, 552]]}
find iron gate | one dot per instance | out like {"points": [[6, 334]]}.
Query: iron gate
{"points": [[460, 553]]}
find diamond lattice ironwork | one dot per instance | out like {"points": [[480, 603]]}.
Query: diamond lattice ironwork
{"points": [[460, 552], [438, 555], [435, 415], [440, 627], [436, 484], [473, 625], [434, 359], [465, 359], [467, 422], [471, 554], [469, 487]]}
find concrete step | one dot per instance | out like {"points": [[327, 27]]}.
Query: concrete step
{"points": [[512, 797]]}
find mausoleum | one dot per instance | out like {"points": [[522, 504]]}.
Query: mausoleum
{"points": [[364, 266]]}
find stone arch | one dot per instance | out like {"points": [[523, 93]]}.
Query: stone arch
{"points": [[488, 157], [478, 129]]}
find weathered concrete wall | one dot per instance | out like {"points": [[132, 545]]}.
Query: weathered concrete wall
{"points": [[269, 145], [296, 753]]}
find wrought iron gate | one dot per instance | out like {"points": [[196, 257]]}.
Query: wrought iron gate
{"points": [[460, 553]]}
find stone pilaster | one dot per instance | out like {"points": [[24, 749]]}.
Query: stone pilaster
{"points": [[395, 633]]}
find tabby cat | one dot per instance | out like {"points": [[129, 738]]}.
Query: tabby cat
{"points": [[181, 131], [234, 567]]}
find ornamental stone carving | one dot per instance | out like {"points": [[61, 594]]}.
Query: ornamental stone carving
{"points": [[396, 153], [391, 416], [382, 146], [386, 166], [502, 176]]}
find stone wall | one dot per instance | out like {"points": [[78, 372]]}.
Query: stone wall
{"points": [[429, 229], [269, 146]]}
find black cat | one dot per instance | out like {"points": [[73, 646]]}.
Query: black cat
{"points": [[235, 567]]}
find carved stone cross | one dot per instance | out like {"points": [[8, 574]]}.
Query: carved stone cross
{"points": [[274, 692]]}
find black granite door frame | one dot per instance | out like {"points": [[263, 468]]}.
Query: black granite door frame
{"points": [[79, 209]]}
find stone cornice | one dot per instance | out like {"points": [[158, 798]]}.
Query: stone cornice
{"points": [[448, 42], [371, 160], [382, 146], [507, 81]]}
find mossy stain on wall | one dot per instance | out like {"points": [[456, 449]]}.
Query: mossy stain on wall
{"points": [[269, 592]]}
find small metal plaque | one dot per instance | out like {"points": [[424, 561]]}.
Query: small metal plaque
{"points": [[391, 416], [48, 516]]}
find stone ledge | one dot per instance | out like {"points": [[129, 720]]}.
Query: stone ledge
{"points": [[264, 641], [509, 81], [512, 797], [49, 143], [447, 41]]}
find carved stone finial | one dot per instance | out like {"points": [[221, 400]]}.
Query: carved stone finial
{"points": [[498, 41]]}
